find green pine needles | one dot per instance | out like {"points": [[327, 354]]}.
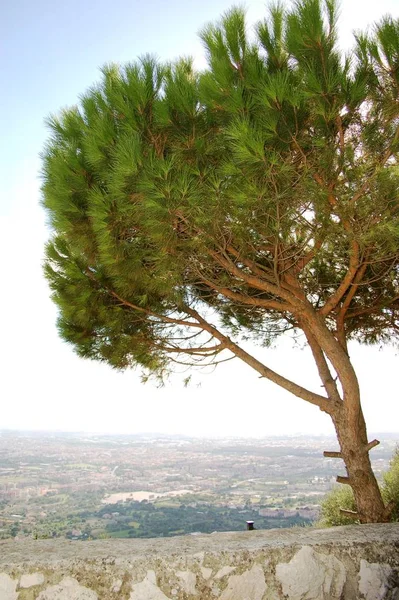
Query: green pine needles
{"points": [[283, 149], [192, 210]]}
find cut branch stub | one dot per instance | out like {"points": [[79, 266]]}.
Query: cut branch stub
{"points": [[352, 514], [329, 454], [345, 480], [371, 445]]}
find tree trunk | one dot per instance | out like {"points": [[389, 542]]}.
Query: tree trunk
{"points": [[352, 437], [348, 419]]}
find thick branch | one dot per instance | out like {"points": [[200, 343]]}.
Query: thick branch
{"points": [[352, 291], [342, 479], [199, 351], [371, 445], [305, 260], [321, 401], [253, 281], [351, 514], [244, 299], [331, 454], [335, 354], [345, 283], [261, 272], [376, 308], [341, 334], [146, 311], [150, 313], [322, 367]]}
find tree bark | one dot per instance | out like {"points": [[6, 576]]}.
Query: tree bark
{"points": [[348, 420], [352, 438]]}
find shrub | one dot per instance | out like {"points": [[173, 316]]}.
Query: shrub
{"points": [[340, 497], [390, 486]]}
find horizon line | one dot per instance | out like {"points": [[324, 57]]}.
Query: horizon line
{"points": [[9, 430]]}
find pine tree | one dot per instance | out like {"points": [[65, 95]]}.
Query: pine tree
{"points": [[193, 210]]}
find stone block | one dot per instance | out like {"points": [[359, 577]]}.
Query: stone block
{"points": [[67, 589], [7, 587], [374, 580], [148, 589], [312, 576], [31, 579], [250, 585]]}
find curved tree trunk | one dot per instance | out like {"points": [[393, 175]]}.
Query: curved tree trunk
{"points": [[346, 413], [352, 438]]}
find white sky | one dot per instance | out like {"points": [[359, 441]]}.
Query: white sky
{"points": [[43, 385]]}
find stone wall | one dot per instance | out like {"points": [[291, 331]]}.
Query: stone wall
{"points": [[351, 563]]}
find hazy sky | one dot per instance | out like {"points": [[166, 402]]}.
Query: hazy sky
{"points": [[49, 54]]}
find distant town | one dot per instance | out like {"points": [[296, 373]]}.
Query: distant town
{"points": [[88, 486]]}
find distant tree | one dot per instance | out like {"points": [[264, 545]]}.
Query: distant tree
{"points": [[14, 529], [194, 211]]}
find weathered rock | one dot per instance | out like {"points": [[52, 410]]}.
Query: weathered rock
{"points": [[7, 587], [224, 571], [31, 579], [116, 585], [206, 572], [188, 581], [311, 576], [374, 580], [200, 556], [148, 589], [67, 589], [251, 585]]}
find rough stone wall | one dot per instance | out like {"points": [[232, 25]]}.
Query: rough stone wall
{"points": [[349, 563]]}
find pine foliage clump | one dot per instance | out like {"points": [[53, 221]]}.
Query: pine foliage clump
{"points": [[263, 157]]}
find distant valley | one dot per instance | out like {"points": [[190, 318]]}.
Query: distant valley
{"points": [[87, 486]]}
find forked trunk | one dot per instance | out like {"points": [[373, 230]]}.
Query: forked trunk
{"points": [[352, 437]]}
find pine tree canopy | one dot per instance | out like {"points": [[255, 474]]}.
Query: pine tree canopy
{"points": [[192, 210]]}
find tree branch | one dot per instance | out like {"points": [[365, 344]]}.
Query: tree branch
{"points": [[343, 309], [245, 299], [316, 399], [346, 282], [253, 281], [322, 367]]}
